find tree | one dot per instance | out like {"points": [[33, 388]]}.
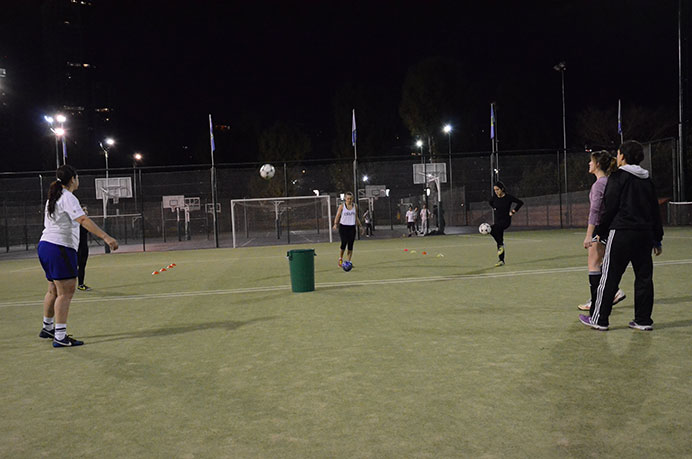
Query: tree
{"points": [[597, 128], [434, 90], [280, 143]]}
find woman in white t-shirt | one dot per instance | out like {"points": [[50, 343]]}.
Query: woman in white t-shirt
{"points": [[57, 251], [347, 218]]}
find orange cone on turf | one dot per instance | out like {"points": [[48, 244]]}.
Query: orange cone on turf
{"points": [[154, 273]]}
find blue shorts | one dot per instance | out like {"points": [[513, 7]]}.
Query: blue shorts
{"points": [[58, 262]]}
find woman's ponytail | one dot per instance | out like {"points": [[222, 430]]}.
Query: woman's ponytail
{"points": [[63, 176]]}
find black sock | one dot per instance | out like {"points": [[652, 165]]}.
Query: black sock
{"points": [[594, 280]]}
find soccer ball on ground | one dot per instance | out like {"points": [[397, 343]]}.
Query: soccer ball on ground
{"points": [[347, 266], [267, 171], [484, 228]]}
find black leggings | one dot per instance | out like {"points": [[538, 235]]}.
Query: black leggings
{"points": [[82, 256], [347, 233], [497, 231]]}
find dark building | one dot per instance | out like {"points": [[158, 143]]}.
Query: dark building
{"points": [[72, 84]]}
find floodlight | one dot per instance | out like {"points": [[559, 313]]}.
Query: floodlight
{"points": [[447, 129], [49, 119], [60, 118]]}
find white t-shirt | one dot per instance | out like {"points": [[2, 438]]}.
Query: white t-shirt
{"points": [[410, 216], [62, 228], [348, 216], [424, 214]]}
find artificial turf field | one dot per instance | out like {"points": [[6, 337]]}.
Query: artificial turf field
{"points": [[408, 355]]}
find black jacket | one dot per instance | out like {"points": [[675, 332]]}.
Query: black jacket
{"points": [[503, 205], [631, 204]]}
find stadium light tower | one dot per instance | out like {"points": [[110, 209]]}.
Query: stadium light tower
{"points": [[448, 130]]}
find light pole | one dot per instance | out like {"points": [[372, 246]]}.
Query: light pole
{"points": [[50, 121], [389, 205], [448, 130], [561, 67], [136, 158], [419, 144], [59, 133], [109, 142], [60, 118]]}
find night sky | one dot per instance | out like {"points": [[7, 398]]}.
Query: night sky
{"points": [[251, 64]]}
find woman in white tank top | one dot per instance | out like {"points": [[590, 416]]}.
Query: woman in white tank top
{"points": [[345, 221]]}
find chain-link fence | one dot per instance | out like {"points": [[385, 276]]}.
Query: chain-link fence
{"points": [[553, 185]]}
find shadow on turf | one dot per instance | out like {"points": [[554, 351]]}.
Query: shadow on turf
{"points": [[678, 324], [229, 325], [673, 300]]}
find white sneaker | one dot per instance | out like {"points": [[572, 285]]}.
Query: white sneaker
{"points": [[619, 296]]}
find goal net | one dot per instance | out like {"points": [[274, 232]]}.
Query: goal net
{"points": [[679, 213], [274, 221]]}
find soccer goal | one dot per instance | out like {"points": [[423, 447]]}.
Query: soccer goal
{"points": [[268, 221], [679, 213]]}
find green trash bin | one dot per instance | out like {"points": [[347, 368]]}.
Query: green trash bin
{"points": [[302, 265]]}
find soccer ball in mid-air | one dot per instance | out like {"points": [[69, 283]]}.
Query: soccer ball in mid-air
{"points": [[267, 171], [347, 266], [484, 228]]}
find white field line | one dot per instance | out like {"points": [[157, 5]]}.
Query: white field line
{"points": [[275, 288], [37, 266]]}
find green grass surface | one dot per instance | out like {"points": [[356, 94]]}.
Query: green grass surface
{"points": [[408, 355]]}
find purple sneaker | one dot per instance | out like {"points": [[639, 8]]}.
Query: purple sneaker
{"points": [[586, 320], [635, 325]]}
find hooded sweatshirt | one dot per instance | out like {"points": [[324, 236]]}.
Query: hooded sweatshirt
{"points": [[630, 203]]}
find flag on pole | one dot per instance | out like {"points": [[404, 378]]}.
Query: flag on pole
{"points": [[353, 129], [211, 134], [492, 121], [619, 117]]}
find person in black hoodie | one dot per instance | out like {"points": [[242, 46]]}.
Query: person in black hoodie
{"points": [[501, 202], [630, 228]]}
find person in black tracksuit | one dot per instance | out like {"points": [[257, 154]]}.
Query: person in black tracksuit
{"points": [[501, 203], [631, 228]]}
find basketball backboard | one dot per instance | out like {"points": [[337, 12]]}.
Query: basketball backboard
{"points": [[428, 172], [173, 202], [193, 203], [113, 187]]}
